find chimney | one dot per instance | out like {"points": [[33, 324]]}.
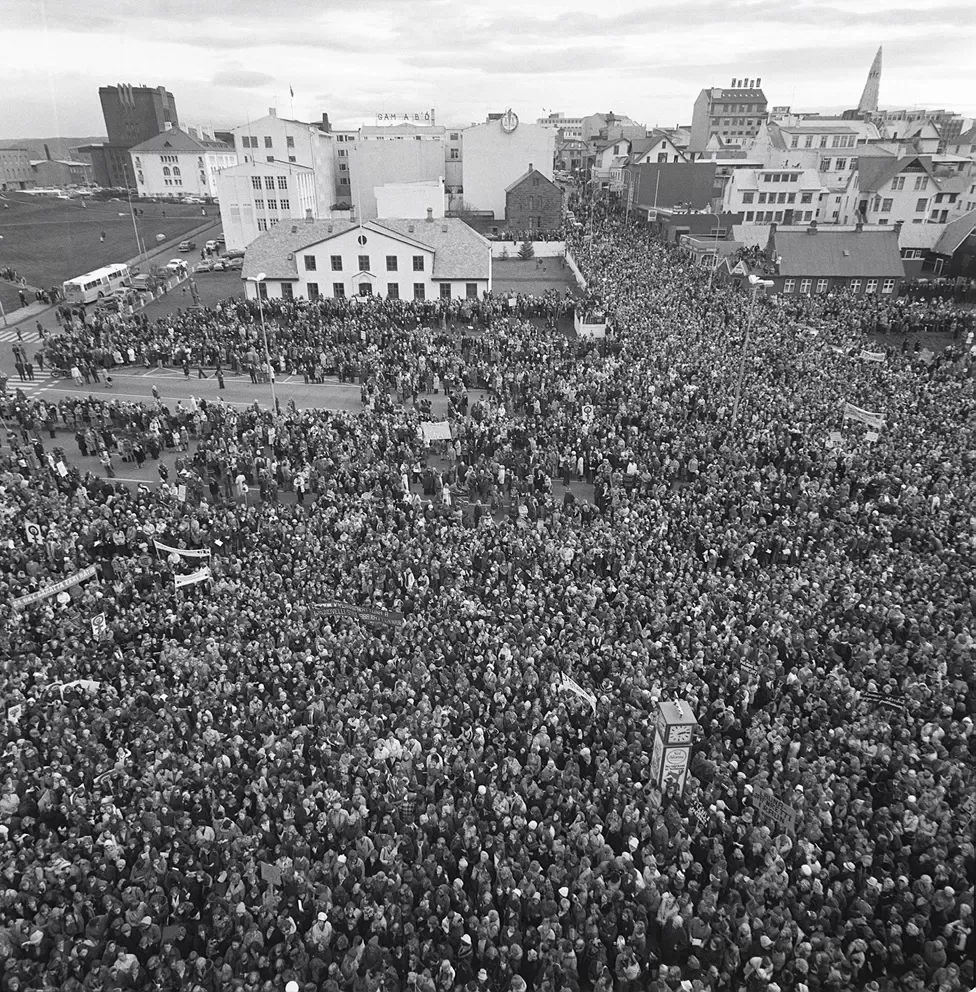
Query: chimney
{"points": [[325, 125], [812, 229], [898, 224], [733, 84], [430, 215], [272, 112], [758, 83], [531, 166], [47, 153], [294, 229], [309, 219]]}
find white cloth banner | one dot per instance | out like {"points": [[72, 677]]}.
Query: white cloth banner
{"points": [[569, 685], [864, 416], [185, 552], [873, 356], [439, 431], [200, 575]]}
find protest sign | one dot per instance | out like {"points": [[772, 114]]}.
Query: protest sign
{"points": [[53, 590], [868, 417], [780, 813], [200, 575], [835, 439], [439, 431], [32, 532], [873, 356], [99, 626], [569, 685], [926, 356], [181, 492], [62, 470], [271, 873], [880, 699], [170, 933], [367, 613], [15, 712], [699, 812], [968, 808], [872, 436], [184, 552]]}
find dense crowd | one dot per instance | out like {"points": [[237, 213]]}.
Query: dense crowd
{"points": [[235, 788]]}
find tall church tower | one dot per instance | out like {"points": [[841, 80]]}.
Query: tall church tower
{"points": [[869, 98]]}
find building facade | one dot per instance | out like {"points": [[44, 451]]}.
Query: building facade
{"points": [[401, 153], [257, 198], [395, 200], [734, 114], [61, 172], [175, 164], [15, 169], [499, 152], [132, 114], [533, 203], [815, 260], [396, 259], [781, 196]]}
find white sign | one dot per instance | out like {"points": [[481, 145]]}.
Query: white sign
{"points": [[421, 117], [99, 626]]}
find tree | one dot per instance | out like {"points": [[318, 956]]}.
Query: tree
{"points": [[504, 254], [526, 251]]}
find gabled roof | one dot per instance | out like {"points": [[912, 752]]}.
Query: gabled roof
{"points": [[956, 233], [532, 173], [459, 252], [175, 140], [838, 252], [966, 138], [874, 173]]}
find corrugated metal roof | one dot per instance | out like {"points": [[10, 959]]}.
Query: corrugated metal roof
{"points": [[460, 252], [843, 253]]}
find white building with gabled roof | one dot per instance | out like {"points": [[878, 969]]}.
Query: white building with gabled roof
{"points": [[175, 164], [427, 259]]}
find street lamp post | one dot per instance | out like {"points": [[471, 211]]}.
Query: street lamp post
{"points": [[755, 282], [258, 280], [715, 231]]}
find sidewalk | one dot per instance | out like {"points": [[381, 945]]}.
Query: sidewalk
{"points": [[34, 311]]}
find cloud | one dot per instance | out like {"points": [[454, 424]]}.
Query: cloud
{"points": [[241, 78]]}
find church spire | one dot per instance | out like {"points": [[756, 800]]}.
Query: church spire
{"points": [[869, 98]]}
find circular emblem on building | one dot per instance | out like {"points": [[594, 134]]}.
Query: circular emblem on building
{"points": [[361, 239], [509, 121]]}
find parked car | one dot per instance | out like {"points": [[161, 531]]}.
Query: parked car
{"points": [[236, 253], [207, 265], [141, 282], [192, 199], [175, 265], [187, 246], [160, 238], [211, 245], [219, 265], [234, 263]]}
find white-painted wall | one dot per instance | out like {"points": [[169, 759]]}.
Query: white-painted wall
{"points": [[494, 159]]}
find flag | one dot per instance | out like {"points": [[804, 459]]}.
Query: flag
{"points": [[291, 89], [569, 685]]}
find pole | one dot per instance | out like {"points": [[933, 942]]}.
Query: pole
{"points": [[742, 359], [267, 356], [3, 313], [135, 230], [711, 275]]}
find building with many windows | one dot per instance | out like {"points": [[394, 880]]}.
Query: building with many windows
{"points": [[734, 114], [780, 196], [533, 203], [15, 169], [175, 164], [133, 114], [256, 198], [394, 258]]}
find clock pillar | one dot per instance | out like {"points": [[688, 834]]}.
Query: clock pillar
{"points": [[674, 730]]}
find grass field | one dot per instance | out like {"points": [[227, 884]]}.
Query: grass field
{"points": [[48, 240]]}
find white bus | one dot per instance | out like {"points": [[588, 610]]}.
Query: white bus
{"points": [[93, 285]]}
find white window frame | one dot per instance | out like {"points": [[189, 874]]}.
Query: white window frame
{"points": [[888, 286], [789, 285], [871, 286]]}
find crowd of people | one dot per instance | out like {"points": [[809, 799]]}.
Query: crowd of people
{"points": [[215, 779]]}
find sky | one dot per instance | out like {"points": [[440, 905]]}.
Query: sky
{"points": [[230, 60]]}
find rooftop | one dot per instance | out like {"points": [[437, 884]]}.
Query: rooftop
{"points": [[838, 251], [459, 251], [177, 140]]}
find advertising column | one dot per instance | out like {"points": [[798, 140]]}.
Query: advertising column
{"points": [[674, 730]]}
